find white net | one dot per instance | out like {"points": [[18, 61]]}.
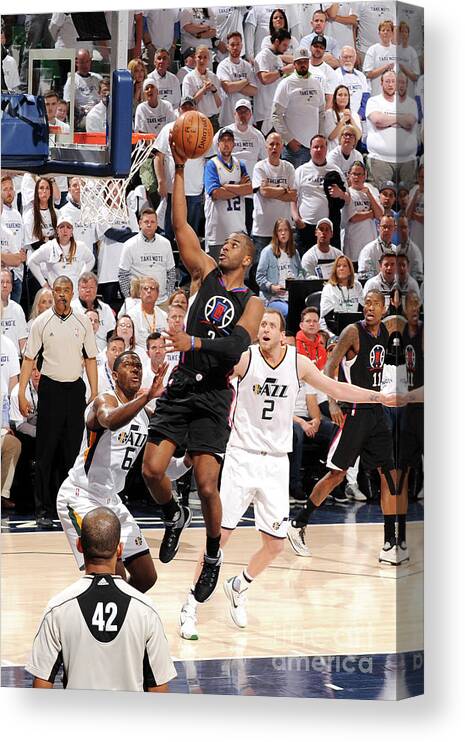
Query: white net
{"points": [[103, 200]]}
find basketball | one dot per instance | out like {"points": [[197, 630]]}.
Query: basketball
{"points": [[193, 134]]}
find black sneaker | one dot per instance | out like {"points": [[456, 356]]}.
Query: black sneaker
{"points": [[45, 524], [340, 497], [208, 578], [173, 529]]}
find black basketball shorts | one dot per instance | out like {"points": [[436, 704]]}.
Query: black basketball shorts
{"points": [[193, 415], [411, 436], [365, 433]]}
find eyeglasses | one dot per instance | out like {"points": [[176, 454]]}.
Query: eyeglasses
{"points": [[125, 326]]}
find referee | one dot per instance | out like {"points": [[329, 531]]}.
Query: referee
{"points": [[60, 340], [105, 633]]}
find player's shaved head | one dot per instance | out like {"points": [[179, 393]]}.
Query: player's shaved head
{"points": [[122, 356], [247, 243], [100, 534], [376, 292]]}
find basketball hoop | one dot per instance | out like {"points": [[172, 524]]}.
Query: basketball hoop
{"points": [[103, 200]]}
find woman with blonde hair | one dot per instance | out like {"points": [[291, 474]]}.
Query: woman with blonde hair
{"points": [[278, 261], [342, 293], [62, 256], [339, 115], [43, 300], [138, 73]]}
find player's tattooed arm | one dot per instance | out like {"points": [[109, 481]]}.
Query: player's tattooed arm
{"points": [[347, 341]]}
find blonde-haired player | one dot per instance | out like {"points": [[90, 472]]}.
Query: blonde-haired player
{"points": [[256, 467]]}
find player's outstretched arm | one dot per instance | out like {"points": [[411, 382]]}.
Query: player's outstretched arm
{"points": [[193, 257], [106, 413], [338, 390]]}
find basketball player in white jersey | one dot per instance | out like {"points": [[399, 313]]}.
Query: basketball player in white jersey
{"points": [[116, 430], [256, 466]]}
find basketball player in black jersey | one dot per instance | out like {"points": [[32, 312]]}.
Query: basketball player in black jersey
{"points": [[363, 431], [195, 408], [411, 421]]}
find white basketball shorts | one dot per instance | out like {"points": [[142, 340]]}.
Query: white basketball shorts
{"points": [[73, 503], [259, 478]]}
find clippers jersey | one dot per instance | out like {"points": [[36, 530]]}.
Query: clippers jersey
{"points": [[107, 455], [413, 352], [214, 314], [223, 217], [266, 398], [366, 368]]}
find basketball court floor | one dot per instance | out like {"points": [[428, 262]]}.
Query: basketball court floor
{"points": [[336, 625]]}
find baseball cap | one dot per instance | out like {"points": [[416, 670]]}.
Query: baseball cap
{"points": [[190, 52], [325, 220], [149, 81], [225, 133], [402, 186], [187, 99], [319, 39], [388, 185], [243, 102], [64, 220], [301, 54]]}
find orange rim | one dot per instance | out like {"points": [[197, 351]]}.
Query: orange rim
{"points": [[99, 137]]}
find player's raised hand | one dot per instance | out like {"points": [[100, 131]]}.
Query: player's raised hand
{"points": [[157, 383], [180, 341], [178, 156]]}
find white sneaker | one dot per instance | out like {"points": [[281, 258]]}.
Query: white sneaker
{"points": [[237, 602], [188, 621], [389, 554], [296, 538], [355, 493], [402, 551]]}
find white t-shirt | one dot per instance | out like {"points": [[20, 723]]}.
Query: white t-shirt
{"points": [[47, 226], [13, 323], [377, 56], [12, 235], [265, 61], [109, 252], [107, 320], [152, 258], [86, 91], [160, 25], [357, 84], [408, 57], [169, 88], [370, 15], [249, 146], [416, 228], [392, 144], [414, 17], [336, 157], [149, 120], [193, 169], [358, 234], [311, 198], [191, 85], [342, 32], [325, 75], [257, 27], [49, 262], [317, 263], [10, 72], [145, 324], [229, 71], [9, 363], [331, 123], [303, 100], [193, 15], [267, 210], [86, 233], [96, 119]]}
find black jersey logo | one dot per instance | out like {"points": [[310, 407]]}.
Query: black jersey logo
{"points": [[219, 311], [377, 354]]}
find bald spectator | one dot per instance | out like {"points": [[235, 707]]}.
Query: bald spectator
{"points": [[86, 88]]}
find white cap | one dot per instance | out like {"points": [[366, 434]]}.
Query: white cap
{"points": [[62, 219], [149, 81], [325, 220], [243, 102], [301, 54]]}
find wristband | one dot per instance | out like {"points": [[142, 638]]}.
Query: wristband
{"points": [[179, 166], [192, 342], [281, 73]]}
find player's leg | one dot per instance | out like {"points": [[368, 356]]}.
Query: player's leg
{"points": [[394, 506], [188, 618], [157, 457], [206, 471], [142, 572], [236, 587], [296, 531]]}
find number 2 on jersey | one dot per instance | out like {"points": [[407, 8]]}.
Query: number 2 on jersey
{"points": [[98, 618], [268, 407]]}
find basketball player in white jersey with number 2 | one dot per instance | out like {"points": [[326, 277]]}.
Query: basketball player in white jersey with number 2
{"points": [[256, 466]]}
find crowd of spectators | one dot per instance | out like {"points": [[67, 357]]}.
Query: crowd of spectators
{"points": [[318, 155]]}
